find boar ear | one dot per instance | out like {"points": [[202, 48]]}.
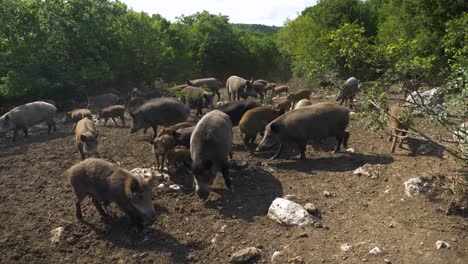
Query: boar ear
{"points": [[274, 128], [132, 186], [207, 164], [83, 138], [7, 118]]}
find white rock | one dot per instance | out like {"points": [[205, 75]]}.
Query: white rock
{"points": [[432, 97], [288, 213], [174, 187], [415, 186], [161, 185], [276, 255], [213, 240], [375, 251], [368, 170], [442, 244], [56, 234], [222, 229], [350, 150], [346, 247], [245, 255], [144, 173]]}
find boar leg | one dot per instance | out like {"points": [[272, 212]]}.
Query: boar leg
{"points": [[345, 139], [403, 133], [99, 208], [105, 121], [115, 123], [227, 180], [155, 129], [339, 141], [79, 215], [278, 153], [123, 120], [394, 144], [219, 95], [80, 149]]}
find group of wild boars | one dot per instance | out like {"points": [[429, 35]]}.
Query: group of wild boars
{"points": [[76, 115], [105, 182], [255, 120], [348, 92], [112, 112], [398, 123], [210, 146], [197, 98], [211, 83], [311, 122], [102, 101], [294, 97], [302, 103], [281, 89], [24, 116], [235, 110], [284, 105], [86, 138], [238, 87], [159, 111]]}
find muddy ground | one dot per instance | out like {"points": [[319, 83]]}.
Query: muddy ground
{"points": [[362, 211]]}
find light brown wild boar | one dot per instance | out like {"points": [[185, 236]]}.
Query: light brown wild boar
{"points": [[281, 89], [160, 147], [178, 157], [311, 122], [86, 138], [171, 129], [112, 112], [255, 120], [284, 105], [398, 125], [105, 182], [76, 115], [270, 86], [302, 103], [294, 97]]}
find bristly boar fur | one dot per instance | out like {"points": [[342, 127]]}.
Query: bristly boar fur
{"points": [[398, 125], [255, 120], [294, 97], [86, 138], [112, 112]]}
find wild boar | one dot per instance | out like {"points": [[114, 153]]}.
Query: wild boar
{"points": [[105, 182], [159, 111], [102, 101], [197, 98], [24, 116], [270, 87], [302, 103], [284, 105], [210, 147], [174, 128], [211, 83], [259, 89], [281, 89], [311, 122], [178, 157], [239, 87], [112, 112], [86, 138], [76, 115], [398, 125], [255, 120], [134, 102], [235, 110], [183, 135], [160, 147], [348, 92], [261, 81], [294, 97]]}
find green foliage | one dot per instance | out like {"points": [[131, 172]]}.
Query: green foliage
{"points": [[255, 28]]}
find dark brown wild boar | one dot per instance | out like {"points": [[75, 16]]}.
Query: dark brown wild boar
{"points": [[255, 120], [281, 89], [112, 112], [284, 105], [211, 83], [398, 125], [86, 138], [172, 129], [105, 182], [311, 122], [294, 97], [178, 157]]}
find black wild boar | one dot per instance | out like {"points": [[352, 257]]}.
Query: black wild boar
{"points": [[159, 111], [105, 182], [235, 110], [86, 138], [311, 122], [112, 112], [210, 146], [26, 115]]}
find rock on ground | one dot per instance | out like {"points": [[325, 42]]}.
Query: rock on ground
{"points": [[375, 251], [246, 254], [56, 234], [367, 170], [415, 186], [442, 244], [288, 213], [346, 247]]}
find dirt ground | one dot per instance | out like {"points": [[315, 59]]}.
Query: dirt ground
{"points": [[361, 211]]}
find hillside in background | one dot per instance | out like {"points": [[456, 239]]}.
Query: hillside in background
{"points": [[270, 30]]}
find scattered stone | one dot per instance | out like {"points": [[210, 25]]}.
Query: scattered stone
{"points": [[442, 244], [214, 239], [327, 194], [387, 261], [276, 255], [391, 225], [415, 186], [244, 255], [222, 229], [146, 173], [56, 234], [368, 170], [350, 150], [346, 247], [241, 164], [296, 260], [375, 251], [161, 185], [174, 187], [304, 234], [318, 224], [311, 208], [288, 213]]}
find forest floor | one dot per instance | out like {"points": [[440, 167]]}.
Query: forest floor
{"points": [[362, 211]]}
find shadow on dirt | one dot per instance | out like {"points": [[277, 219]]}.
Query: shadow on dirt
{"points": [[339, 163], [9, 148], [254, 190]]}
